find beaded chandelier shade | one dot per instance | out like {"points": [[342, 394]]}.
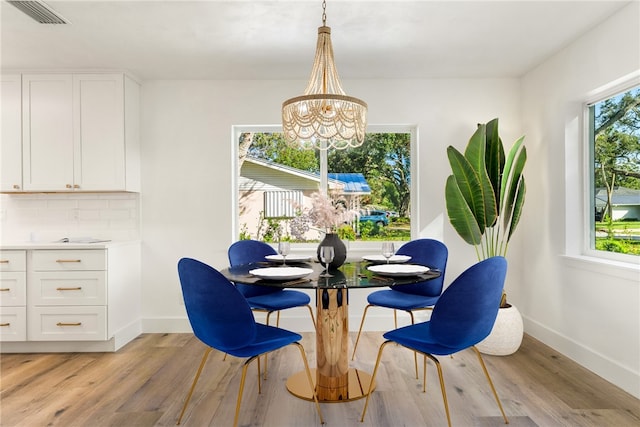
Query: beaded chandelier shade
{"points": [[324, 117]]}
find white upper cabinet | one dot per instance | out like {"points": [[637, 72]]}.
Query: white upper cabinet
{"points": [[47, 132], [99, 157], [74, 136], [11, 142]]}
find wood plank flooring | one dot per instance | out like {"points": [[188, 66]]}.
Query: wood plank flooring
{"points": [[145, 383]]}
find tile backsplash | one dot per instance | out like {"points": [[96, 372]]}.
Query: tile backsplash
{"points": [[52, 216]]}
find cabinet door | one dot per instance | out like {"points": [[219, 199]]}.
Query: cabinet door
{"points": [[11, 143], [47, 130], [99, 132], [13, 324]]}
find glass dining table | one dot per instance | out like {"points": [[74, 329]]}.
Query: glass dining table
{"points": [[335, 380]]}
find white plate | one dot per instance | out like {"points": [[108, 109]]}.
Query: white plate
{"points": [[292, 258], [395, 259], [281, 273], [398, 270]]}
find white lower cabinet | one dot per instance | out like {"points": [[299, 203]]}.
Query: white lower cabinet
{"points": [[13, 299], [75, 300], [68, 323], [67, 295], [13, 321]]}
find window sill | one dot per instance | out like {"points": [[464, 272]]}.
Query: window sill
{"points": [[614, 268]]}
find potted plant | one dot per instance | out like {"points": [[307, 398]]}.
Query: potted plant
{"points": [[484, 198]]}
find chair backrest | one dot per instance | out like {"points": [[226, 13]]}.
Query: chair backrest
{"points": [[467, 309], [219, 315], [246, 252], [430, 253]]}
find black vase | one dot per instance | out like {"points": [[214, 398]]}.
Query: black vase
{"points": [[339, 250]]}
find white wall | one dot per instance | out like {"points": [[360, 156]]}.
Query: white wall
{"points": [[187, 169], [587, 310]]}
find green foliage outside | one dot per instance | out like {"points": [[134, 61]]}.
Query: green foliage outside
{"points": [[615, 124], [383, 159], [618, 236]]}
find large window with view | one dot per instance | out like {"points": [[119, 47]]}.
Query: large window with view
{"points": [[614, 141], [280, 188]]}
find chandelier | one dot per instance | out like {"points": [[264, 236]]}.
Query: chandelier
{"points": [[324, 117]]}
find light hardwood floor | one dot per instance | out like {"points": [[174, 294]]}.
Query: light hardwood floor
{"points": [[145, 383]]}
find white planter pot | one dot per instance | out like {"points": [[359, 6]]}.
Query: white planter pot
{"points": [[506, 336]]}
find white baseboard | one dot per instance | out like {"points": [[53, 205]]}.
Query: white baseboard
{"points": [[600, 364], [127, 334]]}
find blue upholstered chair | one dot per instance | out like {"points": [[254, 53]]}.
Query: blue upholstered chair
{"points": [[222, 319], [416, 296], [462, 317], [264, 298]]}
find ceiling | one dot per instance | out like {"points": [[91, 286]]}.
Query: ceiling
{"points": [[240, 39]]}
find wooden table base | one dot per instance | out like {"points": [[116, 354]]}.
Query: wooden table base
{"points": [[358, 385]]}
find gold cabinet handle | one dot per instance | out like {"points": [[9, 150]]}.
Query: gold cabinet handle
{"points": [[4, 261], [69, 324], [5, 324], [5, 289], [76, 186], [68, 186], [68, 260], [79, 288], [16, 187]]}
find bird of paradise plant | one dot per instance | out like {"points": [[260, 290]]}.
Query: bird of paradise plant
{"points": [[485, 194]]}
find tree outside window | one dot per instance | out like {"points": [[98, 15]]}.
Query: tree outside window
{"points": [[379, 195], [614, 125]]}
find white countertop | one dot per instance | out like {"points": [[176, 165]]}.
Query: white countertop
{"points": [[59, 245]]}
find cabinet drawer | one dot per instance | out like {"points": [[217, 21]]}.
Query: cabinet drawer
{"points": [[68, 288], [13, 324], [13, 288], [69, 260], [65, 323], [13, 261]]}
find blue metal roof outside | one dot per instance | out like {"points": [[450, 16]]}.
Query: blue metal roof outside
{"points": [[354, 182]]}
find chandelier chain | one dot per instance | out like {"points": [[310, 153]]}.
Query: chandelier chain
{"points": [[324, 13]]}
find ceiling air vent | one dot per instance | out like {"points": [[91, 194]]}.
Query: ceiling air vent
{"points": [[39, 11]]}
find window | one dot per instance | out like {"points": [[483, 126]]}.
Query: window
{"points": [[276, 183], [614, 145]]}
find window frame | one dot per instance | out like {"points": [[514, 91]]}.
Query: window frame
{"points": [[353, 246], [587, 141]]}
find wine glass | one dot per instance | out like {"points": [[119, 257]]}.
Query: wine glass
{"points": [[326, 256], [283, 249], [387, 250]]}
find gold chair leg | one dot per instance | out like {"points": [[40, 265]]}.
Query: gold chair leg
{"points": [[312, 318], [259, 381], [266, 354], [442, 388], [424, 373], [493, 389], [195, 380], [415, 354], [311, 385], [395, 319], [373, 379], [242, 380], [360, 330]]}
